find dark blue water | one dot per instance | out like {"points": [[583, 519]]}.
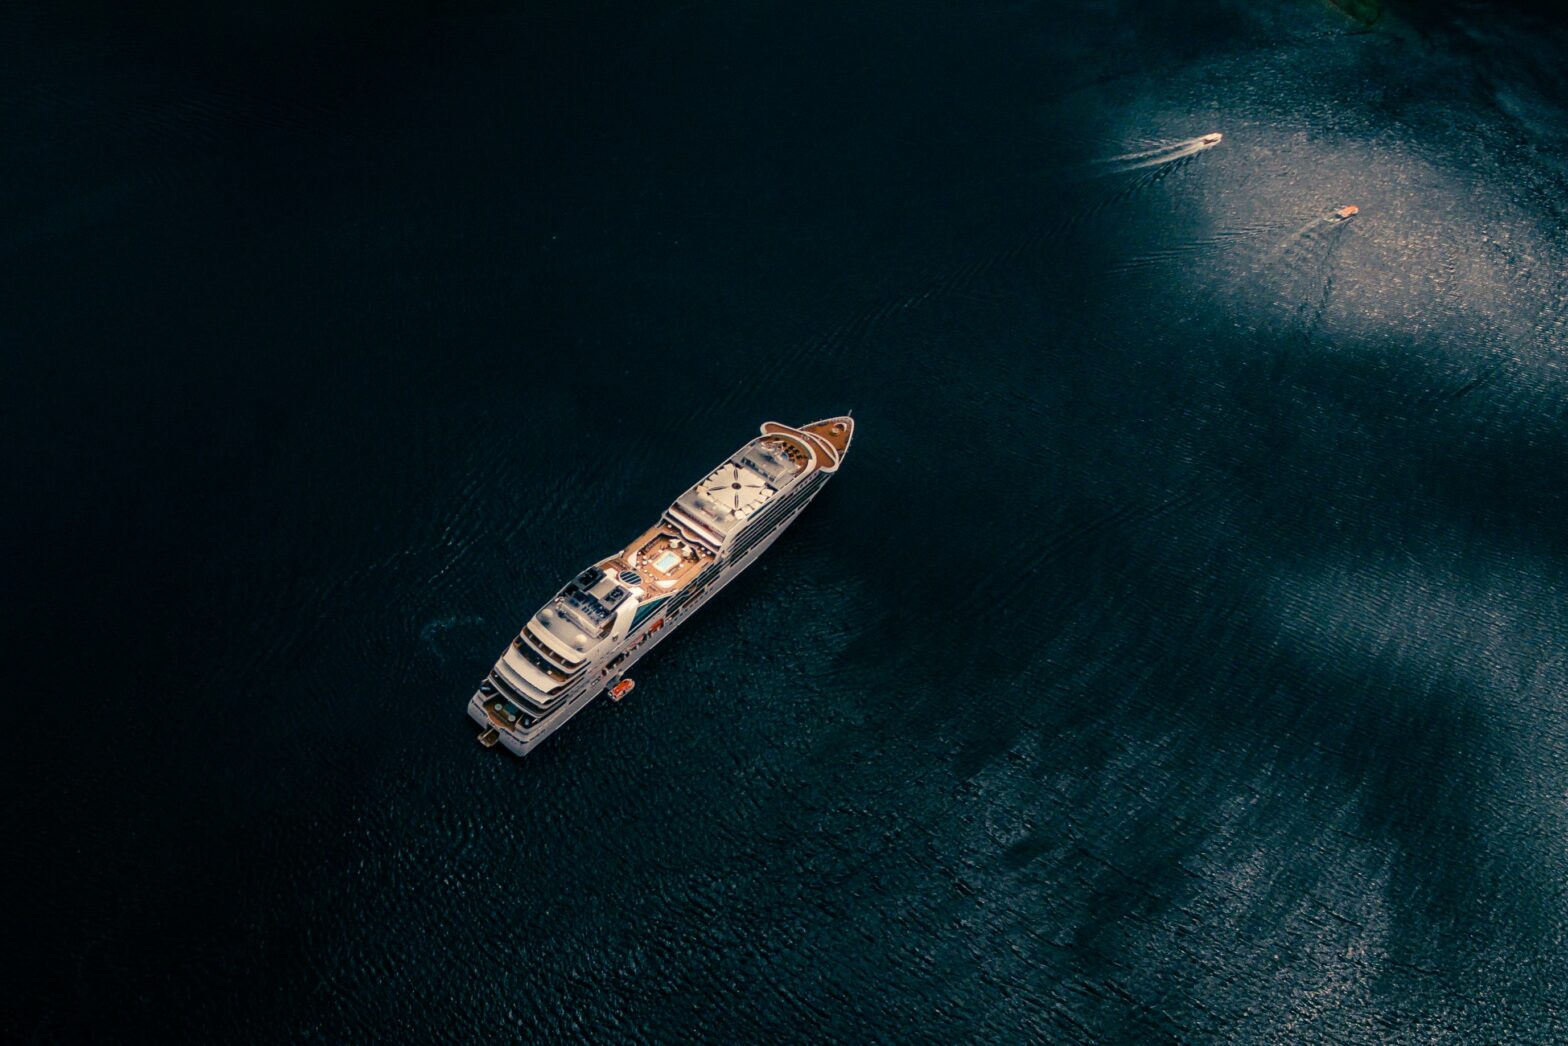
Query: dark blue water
{"points": [[1179, 656]]}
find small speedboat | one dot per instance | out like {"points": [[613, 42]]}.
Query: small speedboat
{"points": [[1346, 212], [1212, 138]]}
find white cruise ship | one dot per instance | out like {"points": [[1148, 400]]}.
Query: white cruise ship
{"points": [[583, 642]]}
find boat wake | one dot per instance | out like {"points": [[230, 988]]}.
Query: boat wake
{"points": [[1168, 152], [1311, 232]]}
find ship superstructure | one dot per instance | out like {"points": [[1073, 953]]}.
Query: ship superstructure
{"points": [[584, 640]]}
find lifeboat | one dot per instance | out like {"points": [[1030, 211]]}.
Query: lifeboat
{"points": [[621, 689], [1346, 212]]}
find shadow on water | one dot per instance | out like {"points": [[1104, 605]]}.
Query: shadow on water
{"points": [[1129, 598], [1008, 248]]}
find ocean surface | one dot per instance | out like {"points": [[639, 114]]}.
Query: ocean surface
{"points": [[1179, 657]]}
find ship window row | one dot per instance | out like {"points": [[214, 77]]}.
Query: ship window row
{"points": [[795, 498], [786, 506], [516, 695], [532, 656], [765, 520], [766, 523], [694, 589], [761, 531], [538, 646]]}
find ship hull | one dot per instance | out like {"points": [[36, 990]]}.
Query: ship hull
{"points": [[630, 651]]}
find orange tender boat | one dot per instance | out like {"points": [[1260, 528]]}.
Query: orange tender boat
{"points": [[1346, 212], [621, 689]]}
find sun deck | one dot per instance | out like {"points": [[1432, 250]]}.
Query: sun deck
{"points": [[674, 551], [662, 559], [836, 432]]}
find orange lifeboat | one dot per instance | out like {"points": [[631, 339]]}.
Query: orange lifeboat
{"points": [[1346, 212], [621, 689]]}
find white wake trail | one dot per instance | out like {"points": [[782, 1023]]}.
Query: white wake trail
{"points": [[1166, 153]]}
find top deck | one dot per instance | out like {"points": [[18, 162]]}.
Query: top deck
{"points": [[670, 554], [730, 495], [662, 560]]}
